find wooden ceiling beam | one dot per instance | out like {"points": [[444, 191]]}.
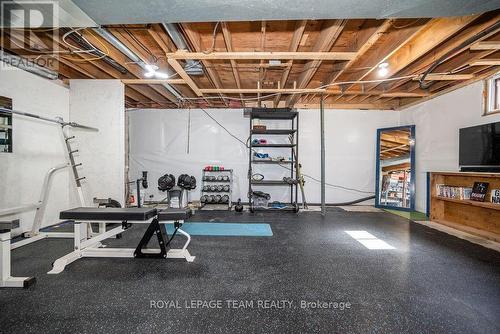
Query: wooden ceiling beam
{"points": [[382, 29], [482, 76], [194, 39], [95, 69], [154, 81], [145, 57], [423, 63], [134, 69], [324, 43], [247, 55], [387, 43], [363, 106], [180, 71], [356, 92], [485, 62], [300, 26], [486, 45], [261, 91], [445, 77], [434, 33], [229, 46], [404, 94], [457, 64]]}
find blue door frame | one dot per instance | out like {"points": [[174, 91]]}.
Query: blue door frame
{"points": [[412, 172]]}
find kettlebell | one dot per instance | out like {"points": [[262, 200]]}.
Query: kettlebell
{"points": [[238, 207]]}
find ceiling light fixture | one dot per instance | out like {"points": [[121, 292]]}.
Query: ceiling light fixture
{"points": [[152, 71], [383, 69]]}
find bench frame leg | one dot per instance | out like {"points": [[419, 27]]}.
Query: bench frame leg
{"points": [[92, 247], [6, 280]]}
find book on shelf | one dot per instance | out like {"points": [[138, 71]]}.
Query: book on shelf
{"points": [[479, 191], [495, 196], [462, 193]]}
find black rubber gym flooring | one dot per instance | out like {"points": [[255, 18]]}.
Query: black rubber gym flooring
{"points": [[430, 283]]}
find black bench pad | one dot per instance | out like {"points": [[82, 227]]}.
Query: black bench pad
{"points": [[9, 225], [108, 214], [174, 214]]}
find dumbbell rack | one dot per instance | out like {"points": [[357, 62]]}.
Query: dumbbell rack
{"points": [[205, 181]]}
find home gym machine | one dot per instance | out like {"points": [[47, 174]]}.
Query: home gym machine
{"points": [[35, 234]]}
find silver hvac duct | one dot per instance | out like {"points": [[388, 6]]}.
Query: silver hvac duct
{"points": [[192, 67], [28, 65], [130, 54]]}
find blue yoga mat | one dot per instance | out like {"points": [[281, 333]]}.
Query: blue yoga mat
{"points": [[225, 229]]}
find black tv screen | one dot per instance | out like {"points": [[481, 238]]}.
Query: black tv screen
{"points": [[480, 145]]}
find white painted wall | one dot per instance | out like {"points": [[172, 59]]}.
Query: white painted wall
{"points": [[437, 122], [158, 144], [37, 145], [100, 104]]}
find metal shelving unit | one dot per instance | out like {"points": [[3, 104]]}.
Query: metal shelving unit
{"points": [[207, 182], [284, 114]]}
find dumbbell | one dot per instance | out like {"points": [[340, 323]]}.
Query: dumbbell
{"points": [[220, 188], [210, 199], [225, 199], [213, 188], [203, 199], [225, 178], [213, 178], [225, 188], [206, 188], [217, 199], [220, 178]]}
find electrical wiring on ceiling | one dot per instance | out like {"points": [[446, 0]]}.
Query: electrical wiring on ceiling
{"points": [[306, 90], [93, 51], [214, 37]]}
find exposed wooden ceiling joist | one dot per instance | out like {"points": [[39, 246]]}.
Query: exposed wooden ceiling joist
{"points": [[235, 61], [325, 41], [487, 45], [262, 55]]}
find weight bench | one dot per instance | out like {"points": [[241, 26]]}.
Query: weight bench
{"points": [[6, 280], [90, 246]]}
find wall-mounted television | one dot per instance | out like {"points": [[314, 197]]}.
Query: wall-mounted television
{"points": [[479, 148]]}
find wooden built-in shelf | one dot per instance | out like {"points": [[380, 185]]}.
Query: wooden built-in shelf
{"points": [[487, 205], [478, 218]]}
